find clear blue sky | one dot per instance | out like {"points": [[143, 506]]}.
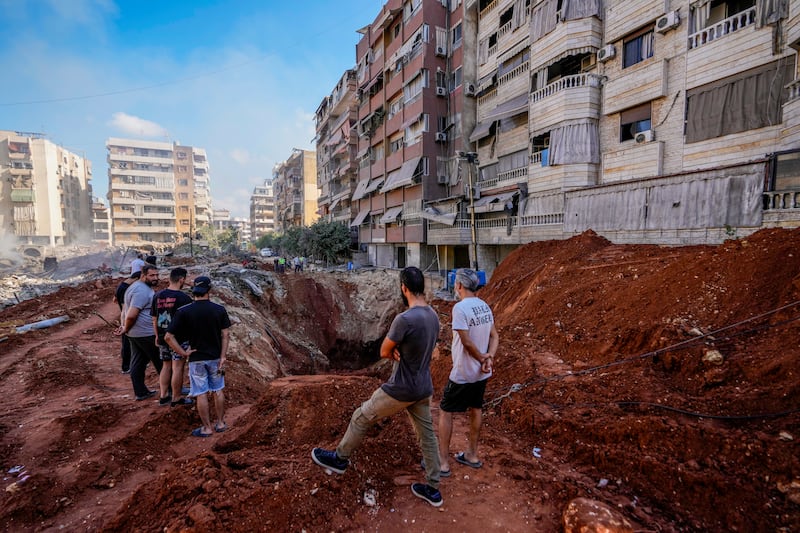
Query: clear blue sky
{"points": [[241, 79]]}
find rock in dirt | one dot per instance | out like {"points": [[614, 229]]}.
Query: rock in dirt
{"points": [[201, 515], [583, 515]]}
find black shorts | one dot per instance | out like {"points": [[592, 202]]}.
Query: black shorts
{"points": [[458, 397]]}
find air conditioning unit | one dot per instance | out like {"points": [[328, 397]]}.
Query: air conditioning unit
{"points": [[606, 53], [441, 137], [442, 180], [667, 22], [470, 89], [644, 137], [588, 62], [441, 91], [441, 51]]}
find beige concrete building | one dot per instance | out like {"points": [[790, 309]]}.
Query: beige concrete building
{"points": [[158, 192], [45, 194], [672, 122], [101, 222], [295, 188], [262, 210]]}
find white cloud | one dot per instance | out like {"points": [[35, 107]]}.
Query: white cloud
{"points": [[240, 155], [139, 127]]}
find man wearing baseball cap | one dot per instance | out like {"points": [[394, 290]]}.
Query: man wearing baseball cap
{"points": [[204, 325]]}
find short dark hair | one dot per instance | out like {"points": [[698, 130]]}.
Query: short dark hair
{"points": [[137, 274], [147, 268], [176, 274], [413, 279]]}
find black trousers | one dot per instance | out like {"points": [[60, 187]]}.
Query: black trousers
{"points": [[125, 352], [143, 351]]}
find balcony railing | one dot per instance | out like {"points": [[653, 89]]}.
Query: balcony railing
{"points": [[779, 200], [567, 82], [492, 50], [488, 97], [723, 27], [794, 90], [513, 73], [503, 178], [505, 28], [485, 11]]}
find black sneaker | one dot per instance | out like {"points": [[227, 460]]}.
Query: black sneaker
{"points": [[149, 394], [163, 402], [182, 401], [427, 493], [328, 459]]}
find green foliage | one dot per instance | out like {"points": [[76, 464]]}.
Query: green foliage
{"points": [[268, 240], [219, 240], [329, 240]]}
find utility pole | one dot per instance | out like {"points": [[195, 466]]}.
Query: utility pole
{"points": [[472, 160]]}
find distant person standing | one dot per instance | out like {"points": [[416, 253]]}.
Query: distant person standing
{"points": [[119, 299], [474, 346], [138, 263], [281, 264], [165, 304], [296, 264], [138, 326], [410, 343], [151, 259], [204, 325]]}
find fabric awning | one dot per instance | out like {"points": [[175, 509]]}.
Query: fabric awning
{"points": [[514, 50], [509, 108], [373, 185], [402, 177], [431, 213], [335, 138], [362, 152], [361, 190], [487, 81], [372, 82], [558, 57], [360, 217], [334, 204], [489, 204], [481, 130], [412, 120], [391, 214]]}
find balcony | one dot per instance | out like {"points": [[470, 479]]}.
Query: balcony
{"points": [[509, 177], [22, 195], [15, 171], [722, 28], [571, 97]]}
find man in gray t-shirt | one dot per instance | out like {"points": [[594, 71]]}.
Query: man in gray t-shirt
{"points": [[138, 326], [410, 343]]}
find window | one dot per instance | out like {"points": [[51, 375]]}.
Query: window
{"points": [[706, 14], [633, 121], [456, 33], [413, 89], [455, 79], [183, 168], [183, 196], [441, 78], [410, 8], [396, 30], [395, 107], [183, 183], [396, 143], [637, 48]]}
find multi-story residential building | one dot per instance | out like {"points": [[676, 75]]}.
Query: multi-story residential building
{"points": [[295, 188], [648, 122], [221, 219], [337, 167], [101, 222], [262, 210], [415, 74], [242, 225], [158, 192], [45, 194]]}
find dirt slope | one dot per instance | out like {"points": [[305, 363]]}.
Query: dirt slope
{"points": [[606, 346]]}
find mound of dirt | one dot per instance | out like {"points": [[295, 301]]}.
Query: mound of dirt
{"points": [[660, 381]]}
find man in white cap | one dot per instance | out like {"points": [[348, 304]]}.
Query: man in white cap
{"points": [[475, 342], [204, 325]]}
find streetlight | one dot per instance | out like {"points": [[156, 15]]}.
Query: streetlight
{"points": [[472, 160]]}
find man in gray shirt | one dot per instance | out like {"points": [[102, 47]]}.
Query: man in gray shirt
{"points": [[137, 324], [410, 343]]}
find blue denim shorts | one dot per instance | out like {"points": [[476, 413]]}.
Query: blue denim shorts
{"points": [[204, 377]]}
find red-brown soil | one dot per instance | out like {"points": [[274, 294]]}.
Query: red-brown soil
{"points": [[607, 370]]}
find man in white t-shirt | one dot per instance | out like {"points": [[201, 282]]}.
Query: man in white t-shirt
{"points": [[137, 264], [475, 342]]}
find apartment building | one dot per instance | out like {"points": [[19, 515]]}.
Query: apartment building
{"points": [[45, 191], [158, 192], [101, 222], [295, 188], [262, 210], [415, 74], [337, 144], [670, 122]]}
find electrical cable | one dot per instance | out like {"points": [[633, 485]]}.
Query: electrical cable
{"points": [[516, 387]]}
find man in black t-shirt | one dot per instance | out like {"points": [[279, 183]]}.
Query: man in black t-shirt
{"points": [[204, 326], [165, 304], [119, 299]]}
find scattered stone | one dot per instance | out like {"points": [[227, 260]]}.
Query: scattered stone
{"points": [[791, 490], [785, 435], [201, 515], [584, 515], [713, 357], [370, 497]]}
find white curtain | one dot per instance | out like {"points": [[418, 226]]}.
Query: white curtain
{"points": [[580, 9], [771, 11], [700, 12], [541, 79], [519, 14], [543, 19], [483, 51], [578, 142]]}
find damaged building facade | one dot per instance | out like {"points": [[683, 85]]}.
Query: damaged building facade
{"points": [[485, 124], [294, 186], [158, 192], [45, 191]]}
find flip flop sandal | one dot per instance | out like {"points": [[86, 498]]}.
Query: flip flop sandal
{"points": [[464, 461], [199, 433]]}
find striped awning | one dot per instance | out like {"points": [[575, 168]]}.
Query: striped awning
{"points": [[391, 214], [373, 185], [435, 215], [402, 177], [558, 57], [481, 130], [361, 190], [360, 217], [514, 50], [489, 204]]}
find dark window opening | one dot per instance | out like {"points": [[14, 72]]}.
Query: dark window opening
{"points": [[633, 121], [637, 48]]}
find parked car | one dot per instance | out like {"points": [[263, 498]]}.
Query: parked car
{"points": [[266, 252]]}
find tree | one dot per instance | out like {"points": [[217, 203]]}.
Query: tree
{"points": [[328, 240]]}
